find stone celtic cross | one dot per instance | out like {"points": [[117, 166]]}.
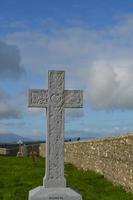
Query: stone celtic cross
{"points": [[55, 99]]}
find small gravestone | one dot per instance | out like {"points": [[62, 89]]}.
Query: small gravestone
{"points": [[55, 99], [20, 152]]}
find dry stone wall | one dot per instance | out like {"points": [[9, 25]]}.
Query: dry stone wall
{"points": [[3, 151], [112, 157]]}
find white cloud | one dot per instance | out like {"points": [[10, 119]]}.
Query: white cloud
{"points": [[100, 62], [110, 84]]}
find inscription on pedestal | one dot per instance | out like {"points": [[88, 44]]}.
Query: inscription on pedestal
{"points": [[57, 198]]}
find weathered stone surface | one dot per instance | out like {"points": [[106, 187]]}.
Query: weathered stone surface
{"points": [[54, 176], [55, 99], [112, 157], [42, 193], [73, 98], [38, 98]]}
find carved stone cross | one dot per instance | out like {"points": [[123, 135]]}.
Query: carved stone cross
{"points": [[55, 99]]}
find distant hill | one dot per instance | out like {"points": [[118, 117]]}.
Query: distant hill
{"points": [[11, 137]]}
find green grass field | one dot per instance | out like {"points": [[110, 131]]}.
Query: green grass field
{"points": [[19, 175]]}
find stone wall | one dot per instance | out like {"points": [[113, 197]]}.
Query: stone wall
{"points": [[3, 151], [112, 157], [42, 150], [12, 149], [8, 149]]}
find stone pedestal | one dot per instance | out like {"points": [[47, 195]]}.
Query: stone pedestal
{"points": [[42, 193]]}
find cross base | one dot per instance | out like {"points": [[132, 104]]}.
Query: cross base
{"points": [[20, 154], [42, 193]]}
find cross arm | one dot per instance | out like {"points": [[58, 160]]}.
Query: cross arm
{"points": [[73, 98], [38, 98]]}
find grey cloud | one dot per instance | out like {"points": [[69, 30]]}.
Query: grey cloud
{"points": [[7, 110], [10, 62], [3, 95]]}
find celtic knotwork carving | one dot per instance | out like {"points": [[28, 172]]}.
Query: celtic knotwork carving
{"points": [[38, 98]]}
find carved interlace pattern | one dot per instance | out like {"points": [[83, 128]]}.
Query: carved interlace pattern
{"points": [[56, 121]]}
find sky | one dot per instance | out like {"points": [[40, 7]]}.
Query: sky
{"points": [[92, 41]]}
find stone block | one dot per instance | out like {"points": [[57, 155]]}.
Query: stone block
{"points": [[42, 193]]}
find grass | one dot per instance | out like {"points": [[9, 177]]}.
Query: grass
{"points": [[19, 175]]}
